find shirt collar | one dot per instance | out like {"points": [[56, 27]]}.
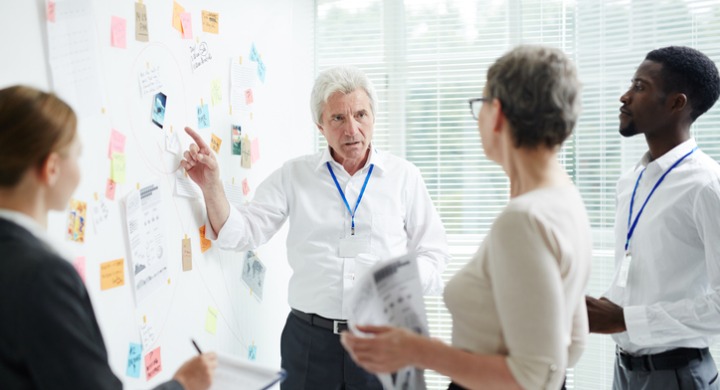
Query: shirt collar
{"points": [[377, 157], [29, 224], [669, 158]]}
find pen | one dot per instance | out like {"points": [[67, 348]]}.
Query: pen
{"points": [[196, 346]]}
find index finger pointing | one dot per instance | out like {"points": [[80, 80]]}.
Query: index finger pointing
{"points": [[198, 139]]}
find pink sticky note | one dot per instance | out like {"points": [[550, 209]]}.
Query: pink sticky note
{"points": [[110, 190], [186, 25], [254, 150], [117, 143], [117, 32], [246, 187], [79, 264], [51, 11], [153, 363], [248, 96]]}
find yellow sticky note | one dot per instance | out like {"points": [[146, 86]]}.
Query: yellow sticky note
{"points": [[186, 254], [210, 22], [205, 244], [112, 274], [176, 21], [117, 168], [211, 320], [215, 92], [215, 142]]}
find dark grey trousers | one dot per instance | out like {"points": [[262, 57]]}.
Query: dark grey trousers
{"points": [[699, 374], [314, 359]]}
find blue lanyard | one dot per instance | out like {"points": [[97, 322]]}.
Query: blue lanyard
{"points": [[633, 224], [342, 194]]}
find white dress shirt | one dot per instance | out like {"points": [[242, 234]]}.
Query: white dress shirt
{"points": [[395, 216], [672, 294]]}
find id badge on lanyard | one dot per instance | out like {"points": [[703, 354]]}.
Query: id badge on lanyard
{"points": [[624, 270]]}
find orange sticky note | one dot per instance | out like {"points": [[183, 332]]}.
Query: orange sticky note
{"points": [[215, 142], [254, 150], [110, 190], [117, 32], [246, 187], [79, 265], [112, 274], [186, 254], [186, 23], [210, 22], [177, 10], [51, 11], [153, 363], [205, 244]]}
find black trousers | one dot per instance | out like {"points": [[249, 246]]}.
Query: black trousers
{"points": [[314, 359], [453, 386]]}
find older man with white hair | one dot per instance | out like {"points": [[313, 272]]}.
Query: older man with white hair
{"points": [[345, 203]]}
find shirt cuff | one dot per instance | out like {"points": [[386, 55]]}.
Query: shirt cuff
{"points": [[637, 325], [231, 231], [430, 279]]}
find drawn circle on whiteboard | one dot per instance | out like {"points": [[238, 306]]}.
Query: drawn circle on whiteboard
{"points": [[156, 113]]}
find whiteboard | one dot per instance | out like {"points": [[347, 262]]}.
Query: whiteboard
{"points": [[282, 33]]}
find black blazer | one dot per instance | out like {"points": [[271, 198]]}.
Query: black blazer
{"points": [[49, 336]]}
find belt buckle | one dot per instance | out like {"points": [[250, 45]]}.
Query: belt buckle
{"points": [[336, 326]]}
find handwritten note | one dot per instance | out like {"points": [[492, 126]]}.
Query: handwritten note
{"points": [[215, 92], [186, 22], [186, 254], [186, 188], [205, 244], [210, 22], [248, 96], [50, 11], [211, 320], [100, 214], [234, 194], [261, 71], [118, 32], [110, 189], [254, 150], [76, 221], [245, 157], [199, 55], [117, 143], [203, 115], [147, 331], [150, 80], [117, 168], [134, 360], [112, 274], [245, 187], [177, 10], [141, 23], [215, 142], [153, 363], [254, 55], [172, 142], [79, 264]]}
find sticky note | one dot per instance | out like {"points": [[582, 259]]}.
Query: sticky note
{"points": [[261, 70], [117, 32], [210, 22], [186, 254], [79, 264], [110, 189], [254, 56], [117, 168], [211, 320], [117, 143], [134, 360], [50, 11], [77, 216], [112, 274], [248, 96], [153, 363], [186, 23], [252, 352], [205, 244], [215, 92], [203, 116], [254, 150], [177, 10], [141, 23], [245, 158], [215, 142], [149, 80], [245, 187]]}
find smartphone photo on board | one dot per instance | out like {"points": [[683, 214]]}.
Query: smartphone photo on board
{"points": [[158, 111]]}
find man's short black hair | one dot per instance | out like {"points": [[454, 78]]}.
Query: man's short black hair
{"points": [[691, 72]]}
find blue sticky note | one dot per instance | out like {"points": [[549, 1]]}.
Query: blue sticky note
{"points": [[203, 116], [254, 56], [252, 352], [261, 70], [134, 360]]}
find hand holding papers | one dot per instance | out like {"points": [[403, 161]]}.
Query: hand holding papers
{"points": [[232, 373], [390, 293]]}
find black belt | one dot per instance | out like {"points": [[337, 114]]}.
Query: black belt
{"points": [[668, 360], [336, 326]]}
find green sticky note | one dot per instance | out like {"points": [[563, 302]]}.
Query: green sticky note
{"points": [[215, 92], [117, 168], [211, 320]]}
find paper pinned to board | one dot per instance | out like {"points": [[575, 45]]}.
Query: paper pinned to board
{"points": [[233, 373]]}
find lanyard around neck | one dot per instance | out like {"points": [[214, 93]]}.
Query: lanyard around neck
{"points": [[632, 224], [342, 194]]}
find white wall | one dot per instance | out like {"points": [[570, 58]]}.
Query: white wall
{"points": [[282, 32]]}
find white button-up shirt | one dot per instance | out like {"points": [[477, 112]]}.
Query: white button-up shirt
{"points": [[395, 216], [672, 297]]}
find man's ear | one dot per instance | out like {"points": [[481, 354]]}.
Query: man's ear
{"points": [[320, 128], [50, 169], [679, 102], [498, 117]]}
